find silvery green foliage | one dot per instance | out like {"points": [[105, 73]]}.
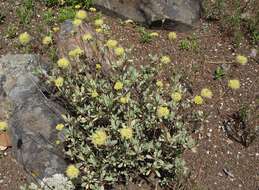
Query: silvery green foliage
{"points": [[57, 182], [157, 143], [31, 186]]}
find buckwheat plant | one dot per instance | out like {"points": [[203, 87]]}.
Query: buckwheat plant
{"points": [[122, 125], [55, 182]]}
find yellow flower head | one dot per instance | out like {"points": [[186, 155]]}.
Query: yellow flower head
{"points": [[241, 59], [87, 37], [47, 40], [94, 94], [99, 137], [63, 63], [165, 59], [162, 111], [118, 85], [77, 22], [24, 38], [72, 171], [59, 127], [92, 9], [207, 93], [234, 84], [81, 14], [59, 81], [98, 22], [159, 84], [172, 35], [58, 142], [61, 2], [176, 96], [77, 6], [119, 51], [198, 100], [3, 126], [124, 100], [126, 133], [98, 66], [98, 30], [55, 29], [77, 52], [154, 34], [112, 44]]}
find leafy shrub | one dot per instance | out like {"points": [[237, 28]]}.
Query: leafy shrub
{"points": [[123, 125], [189, 43], [145, 36], [48, 16], [66, 13]]}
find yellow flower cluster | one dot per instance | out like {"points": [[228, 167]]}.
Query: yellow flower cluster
{"points": [[61, 2], [55, 29], [154, 34], [118, 85], [72, 171], [176, 96], [98, 66], [94, 94], [77, 52], [99, 137], [24, 38], [241, 59], [234, 84], [99, 30], [77, 22], [81, 14], [165, 59], [87, 37], [77, 6], [59, 82], [119, 51], [198, 100], [124, 99], [63, 63], [159, 84], [98, 22], [92, 9], [59, 127], [46, 40], [126, 133], [172, 35], [3, 126], [206, 93], [162, 111], [111, 44]]}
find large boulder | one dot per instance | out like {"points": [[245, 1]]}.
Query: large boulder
{"points": [[70, 37], [170, 14], [31, 116]]}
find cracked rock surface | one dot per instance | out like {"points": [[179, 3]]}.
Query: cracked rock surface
{"points": [[31, 116], [170, 14]]}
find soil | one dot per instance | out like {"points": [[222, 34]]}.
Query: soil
{"points": [[219, 162], [12, 175]]}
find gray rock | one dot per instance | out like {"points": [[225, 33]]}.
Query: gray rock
{"points": [[31, 116], [70, 38], [170, 14]]}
